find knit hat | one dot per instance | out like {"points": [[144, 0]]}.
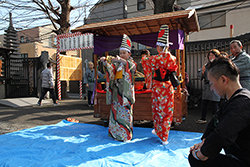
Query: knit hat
{"points": [[126, 43], [163, 37]]}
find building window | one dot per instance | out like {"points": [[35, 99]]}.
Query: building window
{"points": [[54, 41], [141, 4], [212, 20], [27, 39], [22, 39], [24, 55]]}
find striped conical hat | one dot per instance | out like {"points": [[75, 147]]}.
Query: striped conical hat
{"points": [[163, 36], [126, 43]]}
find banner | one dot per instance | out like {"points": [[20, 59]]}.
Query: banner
{"points": [[75, 41]]}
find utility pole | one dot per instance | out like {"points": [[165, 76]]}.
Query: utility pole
{"points": [[124, 9]]}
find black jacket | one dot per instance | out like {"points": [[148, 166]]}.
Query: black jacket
{"points": [[230, 128]]}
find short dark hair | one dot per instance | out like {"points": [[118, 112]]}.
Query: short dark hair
{"points": [[48, 65], [145, 51], [236, 41], [223, 66], [215, 52]]}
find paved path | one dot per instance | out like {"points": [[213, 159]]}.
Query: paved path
{"points": [[22, 113], [29, 101], [21, 102]]}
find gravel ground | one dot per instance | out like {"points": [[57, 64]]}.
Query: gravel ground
{"points": [[15, 119]]}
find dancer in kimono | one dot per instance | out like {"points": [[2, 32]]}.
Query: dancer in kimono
{"points": [[162, 90], [120, 92]]}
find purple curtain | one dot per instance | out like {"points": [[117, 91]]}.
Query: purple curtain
{"points": [[106, 43]]}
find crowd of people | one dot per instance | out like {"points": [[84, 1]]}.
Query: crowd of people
{"points": [[226, 88], [227, 77]]}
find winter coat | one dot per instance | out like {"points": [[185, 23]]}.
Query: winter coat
{"points": [[47, 78]]}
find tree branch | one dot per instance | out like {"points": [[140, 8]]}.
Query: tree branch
{"points": [[44, 8]]}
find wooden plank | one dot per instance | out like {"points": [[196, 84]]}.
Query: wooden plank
{"points": [[142, 108], [116, 31], [128, 33], [70, 68], [190, 20]]}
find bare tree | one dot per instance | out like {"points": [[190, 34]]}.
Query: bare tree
{"points": [[162, 6], [56, 11], [61, 18]]}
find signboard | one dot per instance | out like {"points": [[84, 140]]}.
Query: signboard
{"points": [[75, 41], [71, 68]]}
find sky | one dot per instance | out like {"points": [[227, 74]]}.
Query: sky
{"points": [[24, 18]]}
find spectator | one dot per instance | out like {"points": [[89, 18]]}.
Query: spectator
{"points": [[89, 80], [242, 61], [208, 95], [229, 129], [148, 79], [146, 53], [47, 85]]}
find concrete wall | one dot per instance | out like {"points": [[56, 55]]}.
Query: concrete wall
{"points": [[236, 14], [133, 11], [28, 48], [238, 18], [1, 40], [46, 35], [32, 34], [107, 11]]}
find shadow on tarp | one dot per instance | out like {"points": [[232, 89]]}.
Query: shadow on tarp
{"points": [[78, 144]]}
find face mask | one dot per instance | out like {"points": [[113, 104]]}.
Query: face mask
{"points": [[211, 60]]}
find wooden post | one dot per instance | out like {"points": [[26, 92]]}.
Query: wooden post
{"points": [[80, 53], [95, 63], [183, 65], [178, 70]]}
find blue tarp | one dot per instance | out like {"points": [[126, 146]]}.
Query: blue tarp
{"points": [[79, 144]]}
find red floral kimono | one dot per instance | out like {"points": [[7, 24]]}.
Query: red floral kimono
{"points": [[162, 92]]}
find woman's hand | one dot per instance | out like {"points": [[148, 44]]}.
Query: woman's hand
{"points": [[104, 61], [116, 59]]}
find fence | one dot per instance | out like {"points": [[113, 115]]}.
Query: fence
{"points": [[20, 77], [196, 53]]}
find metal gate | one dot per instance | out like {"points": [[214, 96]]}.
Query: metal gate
{"points": [[20, 77]]}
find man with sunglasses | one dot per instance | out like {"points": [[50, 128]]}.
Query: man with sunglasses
{"points": [[229, 129]]}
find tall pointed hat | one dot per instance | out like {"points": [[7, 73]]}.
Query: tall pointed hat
{"points": [[163, 36], [126, 43]]}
